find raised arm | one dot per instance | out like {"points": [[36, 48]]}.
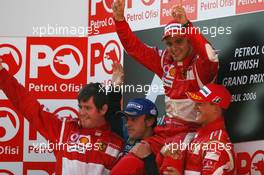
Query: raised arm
{"points": [[46, 123], [207, 63], [114, 98], [145, 55]]}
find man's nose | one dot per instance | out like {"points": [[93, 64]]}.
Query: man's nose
{"points": [[197, 105], [82, 111], [129, 122], [174, 47]]}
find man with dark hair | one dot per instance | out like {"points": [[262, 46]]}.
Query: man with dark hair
{"points": [[140, 115], [91, 147], [96, 90]]}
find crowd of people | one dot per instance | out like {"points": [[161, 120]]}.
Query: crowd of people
{"points": [[192, 138]]}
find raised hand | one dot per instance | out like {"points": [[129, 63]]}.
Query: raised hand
{"points": [[118, 74], [118, 8], [179, 14]]}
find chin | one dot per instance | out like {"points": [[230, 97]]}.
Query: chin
{"points": [[178, 59], [131, 136], [199, 119]]}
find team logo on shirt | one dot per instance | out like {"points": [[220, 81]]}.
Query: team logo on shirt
{"points": [[169, 75], [79, 143], [102, 146]]}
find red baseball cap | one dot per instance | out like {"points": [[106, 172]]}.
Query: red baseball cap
{"points": [[212, 93], [173, 28]]}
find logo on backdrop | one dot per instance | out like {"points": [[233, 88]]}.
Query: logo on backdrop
{"points": [[254, 165], [100, 16], [106, 55], [65, 62], [190, 7], [9, 124], [12, 58], [249, 6], [56, 67], [40, 168], [6, 172]]}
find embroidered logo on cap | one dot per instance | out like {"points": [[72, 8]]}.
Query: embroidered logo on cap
{"points": [[217, 100], [153, 112], [135, 106], [194, 96], [205, 91]]}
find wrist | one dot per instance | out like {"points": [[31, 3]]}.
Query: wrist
{"points": [[120, 18], [150, 156], [186, 24]]}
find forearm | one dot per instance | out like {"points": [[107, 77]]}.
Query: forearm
{"points": [[29, 107], [116, 123], [145, 55]]}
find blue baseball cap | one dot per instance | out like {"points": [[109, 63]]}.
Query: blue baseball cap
{"points": [[139, 106]]}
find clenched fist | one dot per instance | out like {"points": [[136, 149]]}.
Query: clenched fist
{"points": [[118, 8], [179, 14], [118, 75], [141, 150]]}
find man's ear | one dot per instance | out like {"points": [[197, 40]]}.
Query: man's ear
{"points": [[150, 122], [217, 109], [104, 109]]}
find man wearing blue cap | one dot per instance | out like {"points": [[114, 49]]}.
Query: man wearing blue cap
{"points": [[141, 118]]}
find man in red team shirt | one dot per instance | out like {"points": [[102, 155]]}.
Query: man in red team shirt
{"points": [[187, 64], [91, 147], [218, 156], [211, 151]]}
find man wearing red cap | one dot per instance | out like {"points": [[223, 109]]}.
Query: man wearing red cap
{"points": [[210, 152], [187, 64]]}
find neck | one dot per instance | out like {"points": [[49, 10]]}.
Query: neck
{"points": [[211, 119], [148, 133], [97, 125]]}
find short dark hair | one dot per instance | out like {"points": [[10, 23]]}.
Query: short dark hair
{"points": [[95, 90]]}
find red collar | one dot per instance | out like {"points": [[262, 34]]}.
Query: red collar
{"points": [[217, 124], [104, 129]]}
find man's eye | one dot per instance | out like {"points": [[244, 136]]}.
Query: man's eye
{"points": [[134, 119], [179, 41], [169, 44]]}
